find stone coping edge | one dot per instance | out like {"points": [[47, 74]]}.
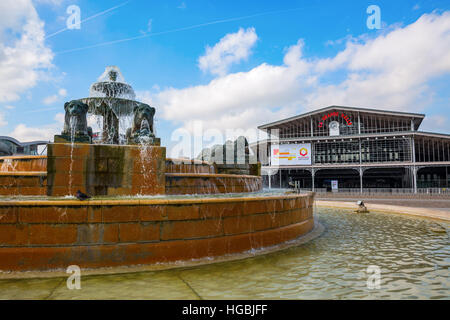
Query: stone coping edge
{"points": [[211, 175], [412, 211], [188, 161], [179, 175], [23, 173], [181, 161], [25, 157], [139, 202]]}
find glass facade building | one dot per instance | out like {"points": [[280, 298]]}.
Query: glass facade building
{"points": [[358, 148], [10, 146]]}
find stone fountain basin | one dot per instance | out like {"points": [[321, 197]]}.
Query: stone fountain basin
{"points": [[120, 106], [27, 175], [53, 234], [45, 233]]}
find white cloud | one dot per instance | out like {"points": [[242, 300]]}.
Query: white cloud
{"points": [[50, 99], [3, 122], [9, 107], [391, 71], [23, 54], [56, 97], [51, 2], [59, 118], [437, 122], [145, 96], [232, 48], [263, 87], [25, 133]]}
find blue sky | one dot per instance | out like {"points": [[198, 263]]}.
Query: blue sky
{"points": [[266, 60]]}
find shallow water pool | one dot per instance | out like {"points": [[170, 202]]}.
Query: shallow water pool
{"points": [[414, 263]]}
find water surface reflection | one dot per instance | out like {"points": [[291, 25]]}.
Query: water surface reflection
{"points": [[414, 264]]}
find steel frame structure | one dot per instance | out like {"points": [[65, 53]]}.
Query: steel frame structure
{"points": [[368, 139]]}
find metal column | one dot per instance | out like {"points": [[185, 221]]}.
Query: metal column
{"points": [[270, 179], [446, 176], [280, 176], [361, 179], [360, 160], [413, 158], [414, 172], [359, 123], [312, 176]]}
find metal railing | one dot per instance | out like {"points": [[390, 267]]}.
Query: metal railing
{"points": [[380, 191]]}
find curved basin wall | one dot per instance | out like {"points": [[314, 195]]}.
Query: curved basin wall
{"points": [[188, 166], [185, 183], [27, 175], [23, 163], [23, 183], [23, 175], [42, 235]]}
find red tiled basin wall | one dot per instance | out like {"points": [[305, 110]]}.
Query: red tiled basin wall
{"points": [[185, 183], [69, 170], [23, 175], [23, 163], [42, 235], [188, 166]]}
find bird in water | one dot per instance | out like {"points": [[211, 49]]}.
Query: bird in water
{"points": [[361, 207], [82, 196]]}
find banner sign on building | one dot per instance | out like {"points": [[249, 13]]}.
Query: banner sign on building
{"points": [[291, 154], [334, 185]]}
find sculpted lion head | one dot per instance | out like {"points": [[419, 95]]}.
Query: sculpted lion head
{"points": [[76, 108], [143, 112], [142, 123], [76, 118]]}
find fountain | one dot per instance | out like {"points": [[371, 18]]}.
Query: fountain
{"points": [[145, 208]]}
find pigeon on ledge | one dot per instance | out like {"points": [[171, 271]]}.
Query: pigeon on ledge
{"points": [[81, 196]]}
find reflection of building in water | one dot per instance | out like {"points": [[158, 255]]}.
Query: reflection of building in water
{"points": [[360, 148], [10, 146]]}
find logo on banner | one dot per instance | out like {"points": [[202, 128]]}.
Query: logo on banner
{"points": [[303, 152]]}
